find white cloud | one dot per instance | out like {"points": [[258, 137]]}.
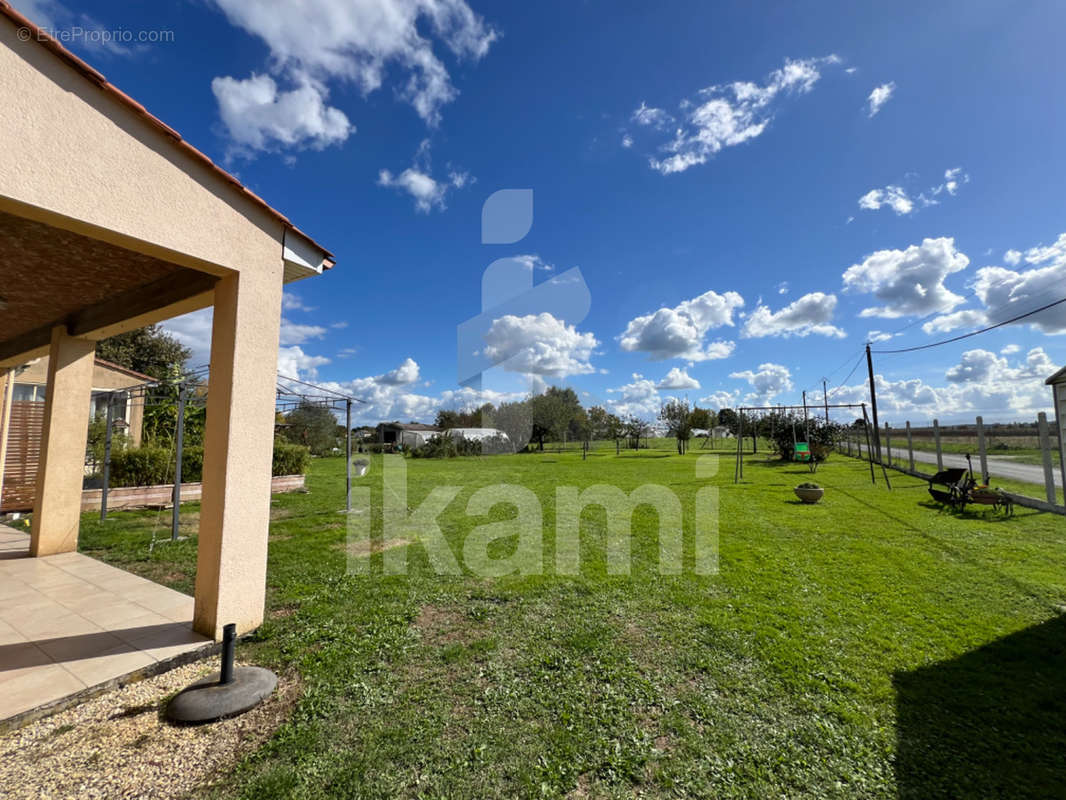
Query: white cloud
{"points": [[55, 18], [811, 313], [879, 96], [539, 344], [878, 336], [1010, 350], [679, 332], [782, 288], [654, 117], [427, 192], [678, 378], [1013, 257], [729, 114], [899, 200], [909, 281], [292, 302], [259, 117], [639, 398], [627, 141], [359, 41], [1006, 293], [966, 318], [767, 382], [293, 362], [533, 262], [296, 333], [720, 399], [981, 383], [406, 373], [895, 197]]}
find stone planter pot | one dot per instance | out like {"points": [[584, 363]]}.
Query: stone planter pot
{"points": [[809, 495]]}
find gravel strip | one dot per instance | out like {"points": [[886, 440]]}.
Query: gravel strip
{"points": [[118, 746]]}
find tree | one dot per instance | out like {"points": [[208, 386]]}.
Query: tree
{"points": [[516, 420], [729, 418], [678, 418], [149, 350], [603, 424], [314, 427], [634, 430], [702, 418]]}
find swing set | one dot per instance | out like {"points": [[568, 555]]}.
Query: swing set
{"points": [[801, 451]]}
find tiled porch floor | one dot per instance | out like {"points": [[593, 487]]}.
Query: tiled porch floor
{"points": [[69, 622]]}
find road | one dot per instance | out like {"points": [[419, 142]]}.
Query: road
{"points": [[997, 467]]}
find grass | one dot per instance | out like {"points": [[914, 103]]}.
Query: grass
{"points": [[868, 646]]}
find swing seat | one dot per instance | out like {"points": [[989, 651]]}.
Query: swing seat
{"points": [[801, 452]]}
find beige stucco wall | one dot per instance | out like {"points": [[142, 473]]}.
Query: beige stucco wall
{"points": [[104, 377], [137, 189]]}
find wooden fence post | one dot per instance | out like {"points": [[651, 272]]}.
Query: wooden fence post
{"points": [[939, 455], [888, 443], [1045, 450], [910, 447], [982, 450]]}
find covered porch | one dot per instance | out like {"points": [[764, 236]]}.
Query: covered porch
{"points": [[109, 221]]}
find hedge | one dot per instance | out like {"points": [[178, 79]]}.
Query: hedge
{"points": [[154, 466]]}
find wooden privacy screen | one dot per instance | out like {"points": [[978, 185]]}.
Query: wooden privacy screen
{"points": [[23, 452]]}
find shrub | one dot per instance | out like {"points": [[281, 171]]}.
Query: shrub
{"points": [[290, 459], [441, 446], [823, 435], [154, 466]]}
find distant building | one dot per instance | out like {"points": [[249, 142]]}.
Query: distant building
{"points": [[410, 434], [721, 432]]}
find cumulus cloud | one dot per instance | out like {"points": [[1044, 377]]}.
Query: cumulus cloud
{"points": [[767, 382], [878, 336], [908, 282], [296, 333], [259, 117], [1006, 293], [679, 332], [290, 301], [726, 115], [417, 181], [640, 398], [966, 318], [879, 96], [312, 42], [293, 362], [406, 373], [1012, 257], [1010, 350], [539, 344], [980, 383], [678, 378], [810, 314]]}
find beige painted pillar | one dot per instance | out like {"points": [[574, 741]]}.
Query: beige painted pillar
{"points": [[61, 469], [135, 410], [7, 392], [238, 447]]}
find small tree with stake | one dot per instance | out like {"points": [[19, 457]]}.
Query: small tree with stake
{"points": [[678, 418]]}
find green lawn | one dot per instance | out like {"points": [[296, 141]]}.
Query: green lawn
{"points": [[869, 646]]}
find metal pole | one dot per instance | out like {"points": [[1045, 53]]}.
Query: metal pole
{"points": [[1045, 451], [825, 399], [939, 454], [348, 455], [107, 456], [806, 426], [179, 438], [910, 447], [739, 471], [873, 403], [982, 450], [888, 444], [229, 640], [869, 450]]}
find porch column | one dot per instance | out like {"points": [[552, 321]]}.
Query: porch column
{"points": [[238, 451], [7, 391], [61, 468]]}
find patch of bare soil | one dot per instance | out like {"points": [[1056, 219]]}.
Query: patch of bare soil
{"points": [[118, 745]]}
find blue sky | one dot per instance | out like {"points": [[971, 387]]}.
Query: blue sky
{"points": [[749, 190]]}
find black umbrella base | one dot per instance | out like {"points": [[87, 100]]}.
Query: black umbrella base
{"points": [[208, 700]]}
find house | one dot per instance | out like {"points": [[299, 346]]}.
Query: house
{"points": [[22, 416], [121, 224], [410, 434], [721, 432]]}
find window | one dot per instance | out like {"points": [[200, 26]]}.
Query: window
{"points": [[28, 393]]}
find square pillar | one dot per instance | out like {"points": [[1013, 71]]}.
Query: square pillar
{"points": [[61, 468], [238, 452], [7, 391]]}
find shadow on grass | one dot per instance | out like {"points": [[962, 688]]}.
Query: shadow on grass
{"points": [[990, 723]]}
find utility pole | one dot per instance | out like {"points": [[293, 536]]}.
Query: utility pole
{"points": [[873, 403], [825, 400], [806, 426]]}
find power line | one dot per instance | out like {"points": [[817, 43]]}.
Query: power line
{"points": [[972, 333]]}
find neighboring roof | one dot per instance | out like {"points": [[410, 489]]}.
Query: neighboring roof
{"points": [[410, 426], [40, 35], [125, 370], [1058, 377]]}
